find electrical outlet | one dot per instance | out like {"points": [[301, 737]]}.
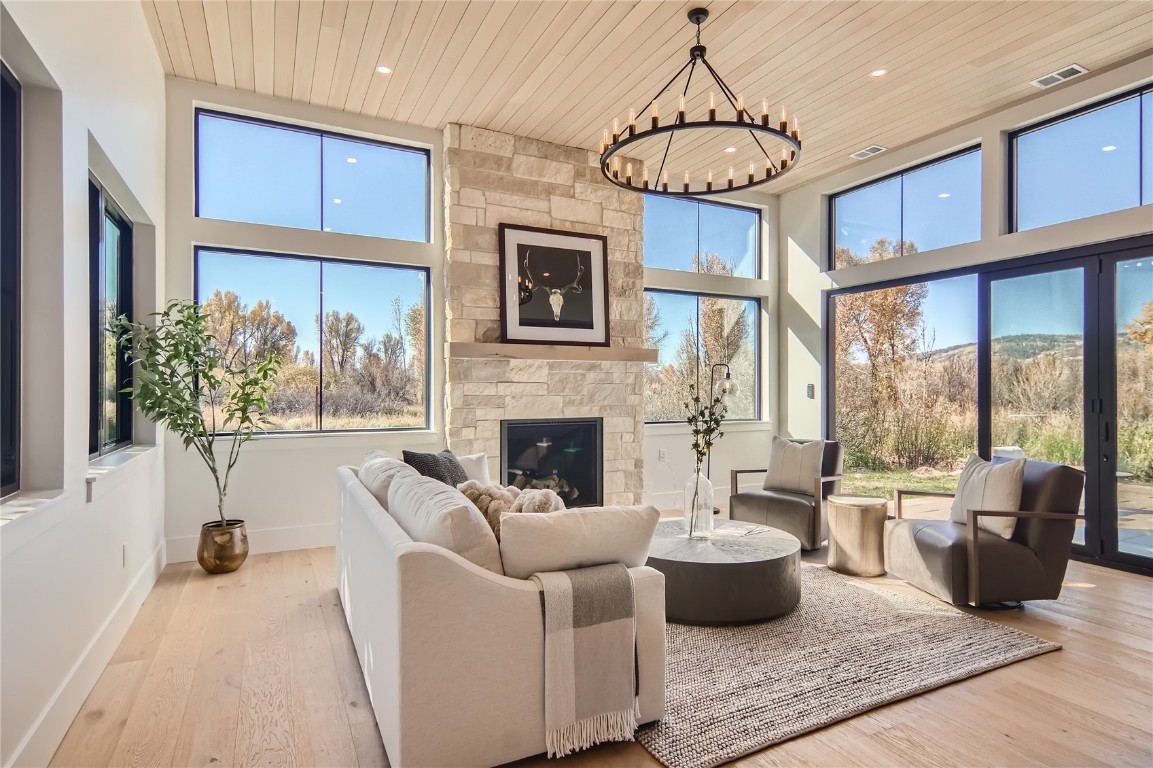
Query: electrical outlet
{"points": [[663, 454], [124, 555]]}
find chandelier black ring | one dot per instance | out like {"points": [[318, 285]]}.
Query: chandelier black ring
{"points": [[621, 179], [613, 150]]}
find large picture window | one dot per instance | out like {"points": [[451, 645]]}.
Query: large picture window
{"points": [[10, 208], [691, 236], [935, 205], [110, 296], [269, 173], [1093, 161], [353, 336], [692, 333]]}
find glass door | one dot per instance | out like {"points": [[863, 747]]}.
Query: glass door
{"points": [[1127, 493], [1036, 363]]}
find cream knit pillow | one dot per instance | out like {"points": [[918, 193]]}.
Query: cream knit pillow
{"points": [[993, 487], [794, 466]]}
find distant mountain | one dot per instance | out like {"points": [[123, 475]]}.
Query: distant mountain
{"points": [[1023, 346]]}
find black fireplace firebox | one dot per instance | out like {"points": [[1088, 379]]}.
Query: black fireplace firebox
{"points": [[563, 455]]}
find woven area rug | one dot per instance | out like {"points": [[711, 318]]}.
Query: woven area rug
{"points": [[848, 647]]}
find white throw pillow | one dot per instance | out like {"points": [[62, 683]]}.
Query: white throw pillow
{"points": [[377, 472], [476, 467], [434, 513], [992, 487], [794, 466], [537, 543]]}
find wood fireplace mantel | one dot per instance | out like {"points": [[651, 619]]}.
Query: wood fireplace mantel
{"points": [[550, 352]]}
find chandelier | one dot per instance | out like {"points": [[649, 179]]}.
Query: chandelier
{"points": [[689, 147]]}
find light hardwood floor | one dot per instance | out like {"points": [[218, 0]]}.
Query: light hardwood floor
{"points": [[257, 668]]}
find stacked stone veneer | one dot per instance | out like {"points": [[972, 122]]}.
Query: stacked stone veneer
{"points": [[495, 178]]}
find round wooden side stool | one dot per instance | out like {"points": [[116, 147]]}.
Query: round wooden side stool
{"points": [[857, 534]]}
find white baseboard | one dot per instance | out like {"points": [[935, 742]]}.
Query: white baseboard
{"points": [[182, 549], [45, 735]]}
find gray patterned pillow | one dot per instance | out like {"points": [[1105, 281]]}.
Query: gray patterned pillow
{"points": [[441, 466]]}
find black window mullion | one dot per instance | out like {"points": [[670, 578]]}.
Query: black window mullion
{"points": [[320, 355], [10, 279], [95, 281]]}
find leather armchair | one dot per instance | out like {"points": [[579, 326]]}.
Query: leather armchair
{"points": [[802, 515], [961, 563]]}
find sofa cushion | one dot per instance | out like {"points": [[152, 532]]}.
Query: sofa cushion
{"points": [[536, 543], [794, 466], [434, 513], [377, 472], [476, 467], [441, 466], [993, 487]]}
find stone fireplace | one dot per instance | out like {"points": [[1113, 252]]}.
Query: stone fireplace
{"points": [[561, 455], [494, 178]]}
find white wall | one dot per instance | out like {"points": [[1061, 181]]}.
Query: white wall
{"points": [[78, 558], [284, 485], [803, 233]]}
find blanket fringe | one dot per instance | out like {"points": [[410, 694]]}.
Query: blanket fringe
{"points": [[609, 726]]}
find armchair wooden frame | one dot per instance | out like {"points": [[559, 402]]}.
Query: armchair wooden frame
{"points": [[818, 497], [971, 516]]}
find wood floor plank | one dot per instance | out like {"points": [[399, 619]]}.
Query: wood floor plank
{"points": [[262, 659]]}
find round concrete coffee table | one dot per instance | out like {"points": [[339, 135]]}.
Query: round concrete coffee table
{"points": [[744, 574], [857, 535]]}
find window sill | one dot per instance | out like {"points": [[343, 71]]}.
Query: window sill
{"points": [[383, 438], [110, 470], [682, 428]]}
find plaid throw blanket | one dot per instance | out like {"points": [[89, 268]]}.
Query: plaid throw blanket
{"points": [[590, 678]]}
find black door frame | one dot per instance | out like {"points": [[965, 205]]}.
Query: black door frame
{"points": [[1100, 408]]}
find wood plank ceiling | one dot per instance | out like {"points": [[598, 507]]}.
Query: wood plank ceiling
{"points": [[562, 71]]}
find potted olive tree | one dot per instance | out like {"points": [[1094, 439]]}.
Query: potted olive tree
{"points": [[214, 406]]}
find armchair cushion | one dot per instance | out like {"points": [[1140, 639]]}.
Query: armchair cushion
{"points": [[794, 466], [537, 542], [788, 511], [992, 487]]}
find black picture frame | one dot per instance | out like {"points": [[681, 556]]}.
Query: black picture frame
{"points": [[554, 287]]}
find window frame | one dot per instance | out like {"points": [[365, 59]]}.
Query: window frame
{"points": [[758, 248], [321, 133], [13, 199], [831, 229], [756, 342], [101, 206], [1012, 156], [197, 248]]}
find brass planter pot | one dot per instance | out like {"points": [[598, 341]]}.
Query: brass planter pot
{"points": [[223, 547]]}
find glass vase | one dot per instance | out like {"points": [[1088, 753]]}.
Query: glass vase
{"points": [[699, 498]]}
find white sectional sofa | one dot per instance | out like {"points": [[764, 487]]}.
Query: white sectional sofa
{"points": [[453, 653]]}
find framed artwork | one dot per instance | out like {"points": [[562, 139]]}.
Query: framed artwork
{"points": [[554, 287]]}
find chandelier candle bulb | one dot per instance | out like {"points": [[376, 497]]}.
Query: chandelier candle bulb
{"points": [[730, 177], [784, 159], [656, 115], [712, 108], [709, 183], [665, 181], [686, 181], [616, 130], [616, 167], [645, 176], [681, 110], [632, 122], [628, 173], [740, 107], [796, 128], [752, 173], [784, 121]]}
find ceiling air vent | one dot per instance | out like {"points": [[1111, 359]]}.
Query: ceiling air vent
{"points": [[1060, 76], [868, 152]]}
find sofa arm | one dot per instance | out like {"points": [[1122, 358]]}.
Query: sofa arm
{"points": [[971, 516], [734, 474], [901, 493]]}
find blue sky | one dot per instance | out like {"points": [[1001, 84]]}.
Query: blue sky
{"points": [[676, 229]]}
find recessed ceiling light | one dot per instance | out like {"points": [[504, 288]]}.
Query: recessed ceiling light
{"points": [[352, 160], [1108, 148], [730, 149], [879, 72], [943, 195], [337, 201], [383, 70]]}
